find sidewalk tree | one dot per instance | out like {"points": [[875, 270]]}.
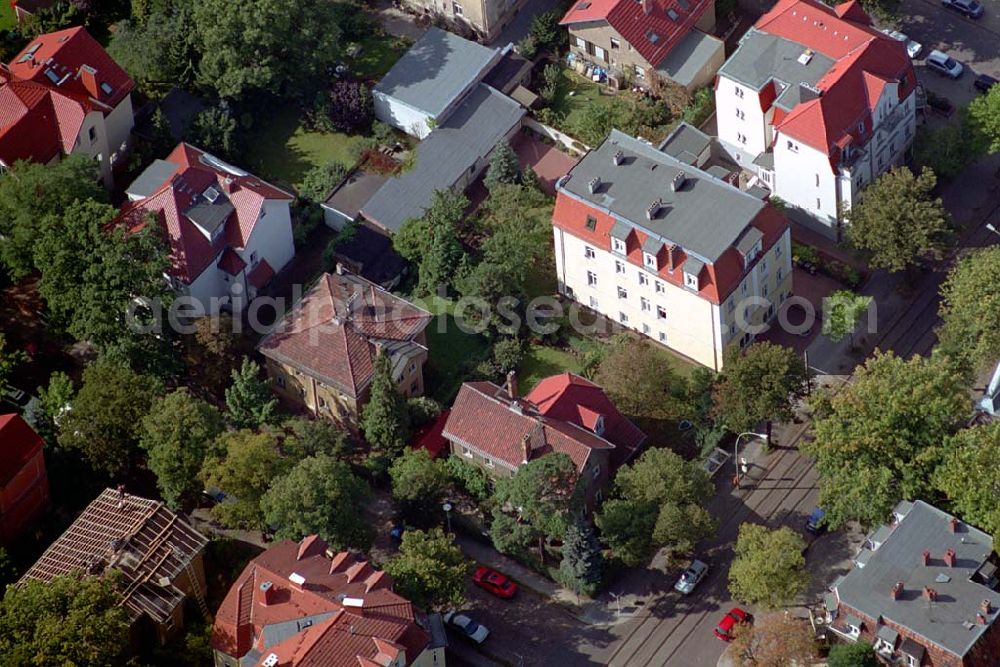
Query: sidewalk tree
{"points": [[242, 464], [984, 117], [177, 434], [970, 309], [968, 470], [319, 495], [878, 439], [385, 421], [249, 402], [10, 359], [504, 167], [760, 384], [104, 422], [582, 567], [430, 570], [657, 502], [769, 569], [71, 620], [419, 483], [774, 640], [899, 221], [858, 654], [842, 311]]}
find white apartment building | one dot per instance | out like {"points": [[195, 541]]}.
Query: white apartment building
{"points": [[817, 103], [669, 250]]}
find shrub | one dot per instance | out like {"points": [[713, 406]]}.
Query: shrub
{"points": [[351, 107], [321, 180]]}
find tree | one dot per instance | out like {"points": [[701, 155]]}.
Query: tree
{"points": [[29, 193], [430, 570], [214, 130], [877, 440], [419, 482], [71, 620], [858, 654], [948, 149], [769, 568], [269, 47], [352, 109], [242, 464], [104, 422], [312, 437], [384, 418], [158, 50], [249, 403], [970, 308], [582, 567], [843, 309], [543, 492], [177, 434], [984, 117], [899, 221], [761, 383], [657, 501], [54, 401], [9, 360], [970, 477], [319, 495], [471, 478], [413, 240], [640, 380], [320, 181], [774, 640], [214, 352], [504, 167]]}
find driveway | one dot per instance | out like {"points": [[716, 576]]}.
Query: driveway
{"points": [[549, 163]]}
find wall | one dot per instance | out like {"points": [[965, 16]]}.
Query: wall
{"points": [[24, 498], [486, 17], [804, 178], [431, 657], [600, 34], [752, 125], [272, 237], [96, 148], [400, 115], [474, 457], [706, 74], [119, 129], [564, 140]]}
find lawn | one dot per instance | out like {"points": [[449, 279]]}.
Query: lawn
{"points": [[575, 94], [453, 352], [542, 362], [8, 18], [377, 54], [283, 150]]}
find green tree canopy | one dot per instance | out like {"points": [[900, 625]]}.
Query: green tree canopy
{"points": [[312, 437], [658, 501], [858, 654], [242, 464], [71, 620], [419, 482], [249, 402], [582, 567], [640, 380], [970, 476], [384, 418], [319, 495], [431, 241], [899, 221], [984, 117], [543, 493], [177, 434], [879, 441], [769, 569], [104, 423], [843, 310], [970, 309], [430, 570], [54, 400], [9, 360], [157, 50], [504, 167]]}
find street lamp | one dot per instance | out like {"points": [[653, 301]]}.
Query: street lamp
{"points": [[990, 226], [736, 454], [618, 601], [447, 507]]}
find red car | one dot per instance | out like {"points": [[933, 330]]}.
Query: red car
{"points": [[733, 617], [494, 582]]}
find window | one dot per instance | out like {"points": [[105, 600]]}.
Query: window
{"points": [[640, 73], [591, 278], [777, 250], [661, 313], [615, 44], [819, 204], [597, 471], [253, 257], [644, 303], [600, 53], [618, 245], [663, 337], [739, 92], [732, 329], [740, 137], [622, 292], [591, 223], [588, 252], [740, 114], [763, 265], [861, 127], [817, 180], [746, 314], [660, 289], [93, 134], [643, 279], [599, 496], [732, 305], [413, 387], [322, 402], [623, 318], [645, 329], [649, 260], [765, 291], [466, 452], [779, 274], [280, 381], [691, 280], [581, 43], [793, 147], [593, 302], [744, 288], [619, 267], [457, 9]]}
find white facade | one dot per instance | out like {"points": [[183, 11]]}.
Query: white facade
{"points": [[677, 317], [106, 138], [401, 115]]}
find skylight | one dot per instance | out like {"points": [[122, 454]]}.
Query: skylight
{"points": [[106, 87], [30, 53], [52, 75], [652, 37], [684, 4], [673, 15]]}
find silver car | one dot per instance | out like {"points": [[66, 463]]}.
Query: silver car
{"points": [[942, 63], [474, 631], [691, 577], [913, 48]]}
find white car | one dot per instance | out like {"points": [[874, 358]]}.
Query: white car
{"points": [[691, 577], [942, 63], [474, 631], [913, 48]]}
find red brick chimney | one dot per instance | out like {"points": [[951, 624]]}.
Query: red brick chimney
{"points": [[953, 524], [526, 447], [949, 557], [925, 556], [512, 384], [897, 588], [265, 593], [88, 76], [670, 258], [930, 593]]}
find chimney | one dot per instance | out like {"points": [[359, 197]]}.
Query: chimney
{"points": [[594, 185], [953, 524], [670, 258], [618, 158], [653, 209], [980, 619], [949, 557], [985, 607], [678, 182], [339, 269], [512, 384], [897, 588], [930, 594], [647, 7], [526, 446], [265, 593], [926, 557], [88, 76], [298, 581]]}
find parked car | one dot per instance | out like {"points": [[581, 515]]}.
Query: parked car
{"points": [[815, 523], [913, 47], [16, 397], [493, 582], [474, 631], [733, 617], [984, 82], [942, 63], [691, 577], [970, 8]]}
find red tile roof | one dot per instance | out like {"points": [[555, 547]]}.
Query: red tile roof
{"points": [[333, 332], [652, 34], [260, 275], [191, 250], [430, 436], [231, 262], [486, 419], [18, 445], [351, 613], [571, 398]]}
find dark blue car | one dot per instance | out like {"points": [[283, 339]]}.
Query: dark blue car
{"points": [[815, 523]]}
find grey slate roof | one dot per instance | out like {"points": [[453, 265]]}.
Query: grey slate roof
{"points": [[151, 178], [761, 57], [686, 60], [749, 240], [349, 197], [444, 156], [276, 633], [686, 143], [951, 622], [705, 218], [435, 70]]}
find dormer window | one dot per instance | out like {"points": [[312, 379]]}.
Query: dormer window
{"points": [[649, 260], [690, 280], [618, 245], [599, 427], [591, 223]]}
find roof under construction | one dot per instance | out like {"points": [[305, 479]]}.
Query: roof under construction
{"points": [[149, 544]]}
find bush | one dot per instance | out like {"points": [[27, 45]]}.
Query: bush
{"points": [[551, 76], [471, 479], [321, 180], [702, 106], [528, 47], [214, 130], [351, 107], [423, 410]]}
